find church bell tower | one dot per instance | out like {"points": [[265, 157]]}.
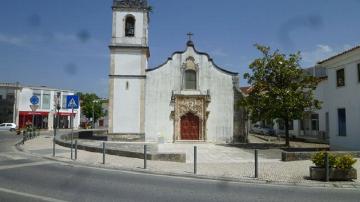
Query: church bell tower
{"points": [[129, 53]]}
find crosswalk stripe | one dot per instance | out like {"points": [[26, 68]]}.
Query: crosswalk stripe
{"points": [[43, 198], [25, 165]]}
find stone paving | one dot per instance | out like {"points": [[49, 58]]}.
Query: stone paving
{"points": [[213, 161]]}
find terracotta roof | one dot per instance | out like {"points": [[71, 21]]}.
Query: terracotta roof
{"points": [[342, 53], [246, 89]]}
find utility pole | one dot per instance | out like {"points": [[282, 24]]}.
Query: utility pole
{"points": [[56, 121], [93, 114]]}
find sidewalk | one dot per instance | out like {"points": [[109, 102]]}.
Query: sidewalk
{"points": [[213, 163]]}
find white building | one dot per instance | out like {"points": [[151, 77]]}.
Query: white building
{"points": [[339, 89], [17, 99], [341, 108], [188, 98]]}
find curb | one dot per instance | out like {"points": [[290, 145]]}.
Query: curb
{"points": [[193, 176]]}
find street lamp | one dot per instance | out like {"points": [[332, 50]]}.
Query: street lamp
{"points": [[93, 112], [58, 108]]}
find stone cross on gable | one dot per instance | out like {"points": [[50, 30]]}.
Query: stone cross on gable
{"points": [[190, 35]]}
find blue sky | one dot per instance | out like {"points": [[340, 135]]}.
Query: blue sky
{"points": [[64, 43]]}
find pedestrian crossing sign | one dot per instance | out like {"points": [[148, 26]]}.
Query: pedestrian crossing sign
{"points": [[72, 102]]}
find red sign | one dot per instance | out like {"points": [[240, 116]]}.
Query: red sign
{"points": [[66, 113], [34, 113]]}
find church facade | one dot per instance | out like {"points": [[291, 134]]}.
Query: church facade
{"points": [[187, 98]]}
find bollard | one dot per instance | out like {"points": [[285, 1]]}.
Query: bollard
{"points": [[104, 151], [24, 137], [256, 163], [75, 149], [53, 146], [145, 156], [195, 159], [326, 162], [71, 149]]}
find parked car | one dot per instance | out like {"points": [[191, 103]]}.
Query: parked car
{"points": [[256, 129], [8, 126], [268, 131], [262, 130]]}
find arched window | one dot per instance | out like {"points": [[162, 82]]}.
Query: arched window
{"points": [[130, 26], [190, 79]]}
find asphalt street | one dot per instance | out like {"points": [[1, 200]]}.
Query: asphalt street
{"points": [[27, 178]]}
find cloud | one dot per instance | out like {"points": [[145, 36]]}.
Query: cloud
{"points": [[79, 44], [12, 40], [321, 52], [311, 22]]}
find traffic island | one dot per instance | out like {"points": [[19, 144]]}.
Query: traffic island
{"points": [[133, 150]]}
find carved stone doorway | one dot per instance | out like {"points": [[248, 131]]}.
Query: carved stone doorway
{"points": [[190, 127], [190, 116]]}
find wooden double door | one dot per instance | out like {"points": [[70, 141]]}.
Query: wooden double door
{"points": [[190, 127]]}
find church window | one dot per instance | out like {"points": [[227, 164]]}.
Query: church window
{"points": [[130, 26], [190, 79]]}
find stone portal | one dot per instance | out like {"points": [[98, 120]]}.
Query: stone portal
{"points": [[190, 116]]}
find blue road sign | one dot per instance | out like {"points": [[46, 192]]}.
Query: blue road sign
{"points": [[72, 102], [34, 100]]}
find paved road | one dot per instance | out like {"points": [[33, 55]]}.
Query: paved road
{"points": [[32, 179]]}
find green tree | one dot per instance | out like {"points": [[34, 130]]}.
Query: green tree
{"points": [[280, 89], [91, 103]]}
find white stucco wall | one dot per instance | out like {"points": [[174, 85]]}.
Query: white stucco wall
{"points": [[126, 107], [162, 81], [127, 62], [321, 95]]}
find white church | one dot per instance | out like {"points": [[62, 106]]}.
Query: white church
{"points": [[187, 98]]}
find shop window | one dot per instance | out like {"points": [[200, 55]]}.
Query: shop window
{"points": [[340, 77], [46, 100], [342, 122], [10, 97], [63, 101]]}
